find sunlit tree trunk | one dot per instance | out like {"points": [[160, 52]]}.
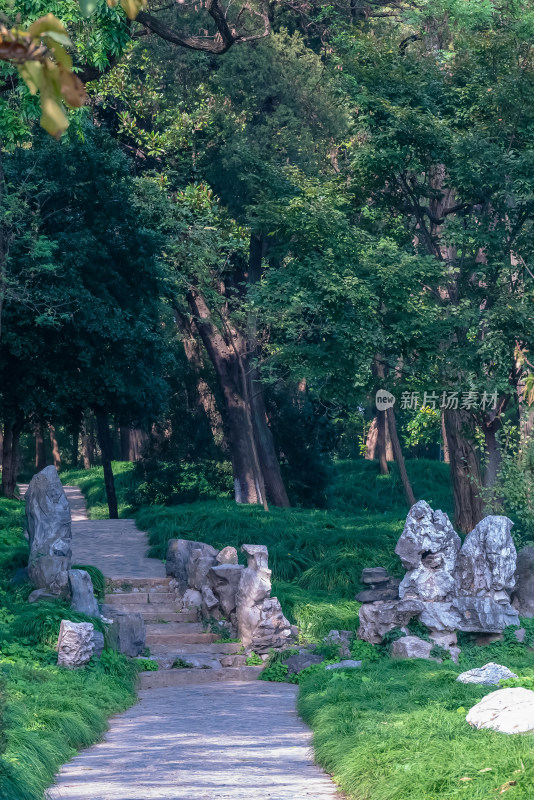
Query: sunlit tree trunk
{"points": [[56, 455]]}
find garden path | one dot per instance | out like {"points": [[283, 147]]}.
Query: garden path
{"points": [[210, 741]]}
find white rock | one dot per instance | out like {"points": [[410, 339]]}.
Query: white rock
{"points": [[506, 711], [75, 644], [488, 675]]}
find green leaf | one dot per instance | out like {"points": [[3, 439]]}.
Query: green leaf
{"points": [[88, 7]]}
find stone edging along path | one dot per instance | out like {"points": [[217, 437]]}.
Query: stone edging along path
{"points": [[198, 741]]}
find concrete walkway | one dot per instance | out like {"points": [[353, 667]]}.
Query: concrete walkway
{"points": [[213, 741], [233, 741]]}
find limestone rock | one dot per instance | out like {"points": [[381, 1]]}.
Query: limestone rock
{"points": [[374, 575], [506, 711], [224, 580], [341, 639], [488, 675], [254, 588], [347, 664], [83, 596], [377, 619], [487, 561], [41, 594], [228, 555], [75, 644], [49, 532], [273, 629], [257, 556], [411, 647], [523, 596], [297, 663], [380, 591], [428, 548], [210, 604], [127, 633], [182, 563], [483, 615]]}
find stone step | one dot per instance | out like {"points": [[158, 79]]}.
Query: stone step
{"points": [[184, 677], [200, 660], [143, 584], [168, 628], [216, 649], [167, 616], [139, 598], [157, 611], [178, 639]]}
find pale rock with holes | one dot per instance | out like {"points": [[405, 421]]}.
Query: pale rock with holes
{"points": [[506, 711], [75, 644], [487, 561]]}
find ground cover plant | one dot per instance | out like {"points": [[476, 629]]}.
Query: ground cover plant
{"points": [[47, 712]]}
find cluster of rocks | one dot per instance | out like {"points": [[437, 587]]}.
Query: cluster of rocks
{"points": [[49, 570], [235, 595], [448, 586]]}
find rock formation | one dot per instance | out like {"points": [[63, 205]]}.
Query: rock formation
{"points": [[75, 643], [127, 632], [83, 596], [447, 587], [49, 532]]}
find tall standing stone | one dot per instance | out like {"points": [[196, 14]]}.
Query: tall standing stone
{"points": [[487, 561], [49, 531]]}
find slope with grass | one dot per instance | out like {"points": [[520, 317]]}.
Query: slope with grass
{"points": [[47, 713]]}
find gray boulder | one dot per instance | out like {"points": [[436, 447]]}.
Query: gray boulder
{"points": [[127, 633], [388, 590], [428, 548], [347, 664], [297, 663], [49, 533], [75, 644], [487, 561], [192, 599], [83, 596], [98, 644], [523, 595], [483, 615], [488, 675], [183, 557], [411, 647]]}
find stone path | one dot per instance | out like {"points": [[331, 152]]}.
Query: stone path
{"points": [[228, 741], [207, 741]]}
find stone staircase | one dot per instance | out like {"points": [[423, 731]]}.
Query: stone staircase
{"points": [[177, 634]]}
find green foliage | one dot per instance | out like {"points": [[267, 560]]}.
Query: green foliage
{"points": [[91, 483], [254, 660], [364, 651], [180, 663], [39, 623], [147, 665], [98, 579], [393, 729], [157, 482]]}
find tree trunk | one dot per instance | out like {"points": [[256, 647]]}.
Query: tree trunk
{"points": [[138, 441], [493, 452], [55, 447], [75, 446], [125, 443], [381, 442], [371, 445], [224, 355], [104, 440], [88, 443], [203, 399], [12, 433], [399, 457], [270, 466], [40, 452], [446, 457], [465, 469]]}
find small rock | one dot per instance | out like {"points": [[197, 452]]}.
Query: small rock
{"points": [[506, 711], [228, 555], [488, 675], [411, 647], [192, 598], [83, 596], [127, 633], [374, 575], [41, 594], [75, 644], [347, 664], [201, 661]]}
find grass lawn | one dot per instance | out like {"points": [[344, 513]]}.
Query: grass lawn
{"points": [[394, 730]]}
